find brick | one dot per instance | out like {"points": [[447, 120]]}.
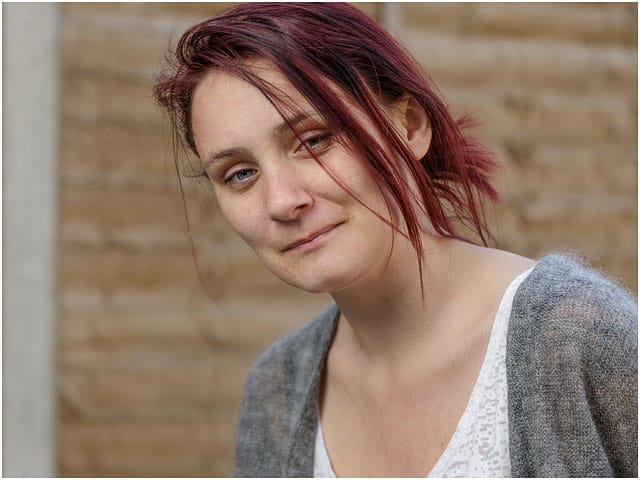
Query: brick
{"points": [[622, 270], [603, 168], [94, 326], [590, 224], [151, 383], [198, 9], [545, 64], [546, 117], [132, 217], [105, 147], [89, 96], [97, 38], [80, 299], [114, 271], [149, 449], [132, 12], [593, 23], [85, 37], [127, 279], [254, 324], [231, 322]]}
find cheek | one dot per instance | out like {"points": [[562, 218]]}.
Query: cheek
{"points": [[371, 194], [244, 221], [376, 197]]}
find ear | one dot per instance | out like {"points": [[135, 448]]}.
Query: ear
{"points": [[414, 125]]}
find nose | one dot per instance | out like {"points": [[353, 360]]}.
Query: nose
{"points": [[287, 195]]}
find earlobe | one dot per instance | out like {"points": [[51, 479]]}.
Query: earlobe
{"points": [[417, 127]]}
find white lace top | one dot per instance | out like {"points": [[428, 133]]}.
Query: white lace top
{"points": [[480, 445]]}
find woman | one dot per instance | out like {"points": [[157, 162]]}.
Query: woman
{"points": [[333, 157]]}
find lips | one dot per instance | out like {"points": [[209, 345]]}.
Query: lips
{"points": [[310, 238]]}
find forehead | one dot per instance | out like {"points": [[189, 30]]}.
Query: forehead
{"points": [[225, 105], [226, 88]]}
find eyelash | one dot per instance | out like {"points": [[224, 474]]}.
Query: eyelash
{"points": [[323, 139], [229, 178]]}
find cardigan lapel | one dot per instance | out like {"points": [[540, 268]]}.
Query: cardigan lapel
{"points": [[302, 441]]}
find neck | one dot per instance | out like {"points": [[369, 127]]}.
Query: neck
{"points": [[395, 313]]}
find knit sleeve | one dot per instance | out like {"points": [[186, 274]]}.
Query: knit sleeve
{"points": [[260, 431], [276, 428], [573, 367], [605, 342]]}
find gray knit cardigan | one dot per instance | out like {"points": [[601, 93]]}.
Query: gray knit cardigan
{"points": [[571, 374]]}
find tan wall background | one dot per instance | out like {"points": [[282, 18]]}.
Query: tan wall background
{"points": [[150, 369]]}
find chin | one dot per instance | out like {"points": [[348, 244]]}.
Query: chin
{"points": [[315, 285], [319, 280], [326, 275]]}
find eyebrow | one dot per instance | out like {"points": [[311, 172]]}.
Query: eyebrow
{"points": [[287, 124], [293, 121]]}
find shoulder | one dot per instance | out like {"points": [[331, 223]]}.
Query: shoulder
{"points": [[296, 353], [566, 313], [562, 271], [276, 395], [561, 288], [572, 372]]}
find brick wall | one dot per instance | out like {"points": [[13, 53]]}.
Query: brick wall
{"points": [[150, 368], [555, 90]]}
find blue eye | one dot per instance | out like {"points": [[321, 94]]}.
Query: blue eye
{"points": [[239, 175]]}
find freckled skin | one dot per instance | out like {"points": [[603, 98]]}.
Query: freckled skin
{"points": [[278, 194]]}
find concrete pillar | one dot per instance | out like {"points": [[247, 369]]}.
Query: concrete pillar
{"points": [[30, 128]]}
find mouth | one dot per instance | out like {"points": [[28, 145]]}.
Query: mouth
{"points": [[311, 240]]}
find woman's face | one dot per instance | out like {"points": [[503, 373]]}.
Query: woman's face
{"points": [[306, 228]]}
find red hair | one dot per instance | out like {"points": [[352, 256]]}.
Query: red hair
{"points": [[315, 46]]}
